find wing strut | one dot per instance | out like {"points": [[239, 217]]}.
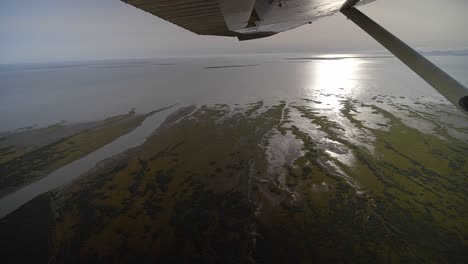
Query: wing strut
{"points": [[454, 91]]}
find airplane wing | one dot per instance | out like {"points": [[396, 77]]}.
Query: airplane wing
{"points": [[244, 19], [251, 19]]}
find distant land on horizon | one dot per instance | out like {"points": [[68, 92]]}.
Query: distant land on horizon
{"points": [[424, 51]]}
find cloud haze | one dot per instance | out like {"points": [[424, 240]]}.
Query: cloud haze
{"points": [[58, 30]]}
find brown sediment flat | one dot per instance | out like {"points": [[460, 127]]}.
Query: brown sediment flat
{"points": [[231, 66], [311, 100], [133, 65]]}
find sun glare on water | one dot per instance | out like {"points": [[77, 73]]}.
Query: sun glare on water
{"points": [[331, 79]]}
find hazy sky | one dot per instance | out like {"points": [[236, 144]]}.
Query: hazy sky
{"points": [[59, 30]]}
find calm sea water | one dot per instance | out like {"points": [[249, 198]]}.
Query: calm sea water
{"points": [[44, 94]]}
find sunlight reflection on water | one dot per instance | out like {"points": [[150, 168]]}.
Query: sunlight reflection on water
{"points": [[330, 80]]}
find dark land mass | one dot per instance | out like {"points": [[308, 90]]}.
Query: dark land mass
{"points": [[280, 183]]}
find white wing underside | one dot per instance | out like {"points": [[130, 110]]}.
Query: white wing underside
{"points": [[277, 15], [246, 19]]}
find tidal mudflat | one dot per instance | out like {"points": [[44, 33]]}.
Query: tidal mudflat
{"points": [[267, 182], [29, 154]]}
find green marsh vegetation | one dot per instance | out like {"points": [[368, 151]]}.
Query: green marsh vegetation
{"points": [[287, 182]]}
